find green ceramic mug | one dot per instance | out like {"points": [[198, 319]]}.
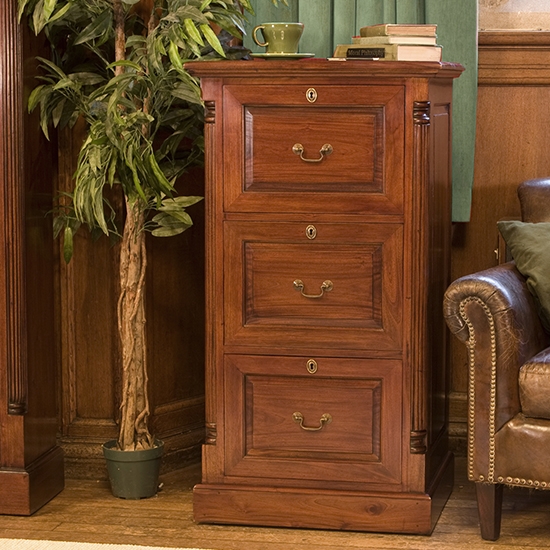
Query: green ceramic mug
{"points": [[279, 38]]}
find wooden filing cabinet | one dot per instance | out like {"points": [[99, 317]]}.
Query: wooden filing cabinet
{"points": [[328, 227]]}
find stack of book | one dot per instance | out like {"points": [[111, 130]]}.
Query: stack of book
{"points": [[393, 42]]}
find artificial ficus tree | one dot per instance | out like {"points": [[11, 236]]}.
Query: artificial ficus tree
{"points": [[119, 65]]}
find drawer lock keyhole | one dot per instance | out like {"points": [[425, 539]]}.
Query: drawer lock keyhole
{"points": [[311, 95], [311, 232], [312, 366]]}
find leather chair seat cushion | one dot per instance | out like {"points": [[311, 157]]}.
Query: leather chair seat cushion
{"points": [[522, 448], [529, 244], [534, 386]]}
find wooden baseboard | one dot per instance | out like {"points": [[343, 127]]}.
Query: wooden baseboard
{"points": [[84, 459], [24, 491]]}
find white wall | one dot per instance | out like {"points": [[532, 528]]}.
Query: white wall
{"points": [[514, 15]]}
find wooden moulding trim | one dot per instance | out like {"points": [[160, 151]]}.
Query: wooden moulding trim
{"points": [[12, 209], [268, 70], [514, 58]]}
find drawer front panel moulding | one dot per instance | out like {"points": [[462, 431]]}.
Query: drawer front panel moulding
{"points": [[276, 135]]}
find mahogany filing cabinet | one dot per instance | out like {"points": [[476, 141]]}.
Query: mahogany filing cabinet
{"points": [[328, 193]]}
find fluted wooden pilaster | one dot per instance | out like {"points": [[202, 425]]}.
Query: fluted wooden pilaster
{"points": [[31, 464], [12, 292], [419, 421]]}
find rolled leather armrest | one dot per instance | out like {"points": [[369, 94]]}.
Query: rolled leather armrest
{"points": [[493, 313]]}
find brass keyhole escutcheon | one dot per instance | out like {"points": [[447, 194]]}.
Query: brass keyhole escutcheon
{"points": [[311, 232], [311, 95], [312, 366]]}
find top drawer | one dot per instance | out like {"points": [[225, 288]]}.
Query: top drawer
{"points": [[300, 148]]}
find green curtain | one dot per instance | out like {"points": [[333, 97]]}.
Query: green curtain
{"points": [[331, 22]]}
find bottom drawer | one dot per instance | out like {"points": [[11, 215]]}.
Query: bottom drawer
{"points": [[331, 419]]}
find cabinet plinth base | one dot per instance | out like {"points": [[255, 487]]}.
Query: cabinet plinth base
{"points": [[24, 491], [411, 513]]}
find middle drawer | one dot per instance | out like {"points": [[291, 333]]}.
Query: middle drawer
{"points": [[327, 285]]}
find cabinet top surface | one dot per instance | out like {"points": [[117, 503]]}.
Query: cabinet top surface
{"points": [[322, 67]]}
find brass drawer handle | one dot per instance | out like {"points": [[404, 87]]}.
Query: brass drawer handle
{"points": [[298, 149], [299, 418], [327, 286]]}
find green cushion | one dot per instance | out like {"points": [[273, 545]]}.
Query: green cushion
{"points": [[529, 244]]}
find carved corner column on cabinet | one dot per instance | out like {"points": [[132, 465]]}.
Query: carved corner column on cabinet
{"points": [[31, 464], [210, 138], [421, 120], [212, 450]]}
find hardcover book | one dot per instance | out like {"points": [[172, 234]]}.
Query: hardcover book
{"points": [[395, 39], [387, 29], [388, 52]]}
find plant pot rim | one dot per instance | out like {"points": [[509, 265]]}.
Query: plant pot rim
{"points": [[110, 450]]}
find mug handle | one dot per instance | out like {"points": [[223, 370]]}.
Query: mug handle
{"points": [[256, 29]]}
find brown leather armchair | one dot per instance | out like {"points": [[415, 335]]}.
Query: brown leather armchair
{"points": [[493, 313]]}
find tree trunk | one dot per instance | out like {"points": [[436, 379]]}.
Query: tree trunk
{"points": [[134, 433]]}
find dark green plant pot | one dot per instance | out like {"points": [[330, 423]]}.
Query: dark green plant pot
{"points": [[133, 474]]}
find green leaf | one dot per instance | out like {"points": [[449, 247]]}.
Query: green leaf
{"points": [[57, 112], [61, 12], [21, 9], [49, 7], [212, 39], [68, 244], [111, 172], [86, 78], [175, 56], [38, 19], [63, 83], [58, 226], [36, 96], [125, 63], [100, 26], [248, 6], [136, 41], [187, 93], [53, 68], [179, 202], [192, 31], [165, 185], [168, 225]]}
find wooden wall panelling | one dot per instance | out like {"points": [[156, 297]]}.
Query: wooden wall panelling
{"points": [[89, 341], [175, 317], [89, 338], [513, 117], [31, 464]]}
